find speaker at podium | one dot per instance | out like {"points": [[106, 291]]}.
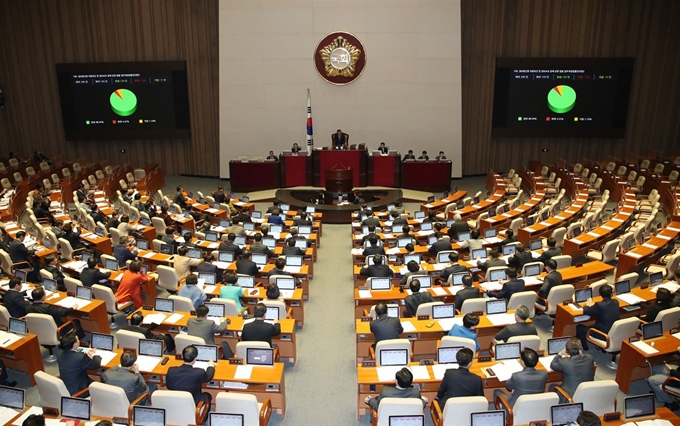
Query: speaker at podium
{"points": [[339, 179]]}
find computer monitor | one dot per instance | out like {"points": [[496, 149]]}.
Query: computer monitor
{"points": [[209, 278], [284, 207], [272, 313], [583, 294], [431, 239], [564, 414], [285, 283], [215, 309], [656, 278], [576, 232], [275, 228], [505, 351], [419, 215], [652, 330], [207, 353], [304, 229], [145, 221], [430, 199], [490, 233], [404, 241], [269, 242], [426, 226], [499, 306], [256, 214], [412, 420], [167, 249], [226, 256], [194, 253], [142, 244], [393, 357], [246, 281], [463, 236], [99, 231], [447, 355], [164, 305], [393, 311], [532, 270], [186, 214], [488, 418], [381, 283], [302, 244], [18, 326], [412, 257], [509, 249], [535, 245], [295, 261], [545, 215], [447, 310], [18, 273], [310, 209], [148, 416], [458, 278], [424, 280], [443, 257], [245, 199], [151, 347], [557, 344], [450, 222], [478, 253], [492, 212], [145, 269], [75, 408], [260, 259], [211, 236], [49, 284], [249, 226], [498, 274], [260, 356], [224, 223], [13, 398], [111, 264], [102, 341], [83, 292], [226, 419], [622, 287], [530, 221], [240, 240], [639, 406]]}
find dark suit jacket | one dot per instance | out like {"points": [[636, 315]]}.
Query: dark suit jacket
{"points": [[73, 368], [509, 288], [123, 254], [512, 239], [385, 328], [260, 331], [655, 310], [277, 272], [547, 254], [575, 370], [245, 266], [394, 392], [458, 227], [606, 312], [292, 251], [453, 269], [56, 312], [551, 280], [526, 382], [519, 329], [57, 275], [137, 329], [371, 220], [73, 237], [459, 382], [260, 248], [344, 138], [230, 246], [18, 252], [438, 246], [464, 294], [208, 267], [416, 299], [520, 259], [90, 276], [377, 271], [189, 379], [491, 263], [112, 223], [15, 303], [371, 250], [180, 200]]}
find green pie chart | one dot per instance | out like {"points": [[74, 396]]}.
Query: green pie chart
{"points": [[123, 102], [561, 99]]}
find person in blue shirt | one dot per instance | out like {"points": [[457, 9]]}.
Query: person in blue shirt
{"points": [[275, 218], [231, 290], [467, 330], [191, 290]]}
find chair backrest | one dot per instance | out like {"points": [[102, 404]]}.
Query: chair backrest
{"points": [[272, 279], [426, 308], [184, 340], [621, 330], [644, 164], [179, 406], [672, 265], [108, 400], [487, 276], [640, 181], [72, 284], [669, 318], [128, 339], [392, 344], [43, 326], [595, 286], [528, 341], [239, 403], [673, 176], [159, 224], [611, 166], [563, 261], [99, 175], [278, 304], [105, 294], [398, 407], [557, 295], [529, 264], [533, 407], [6, 262], [598, 396], [230, 307], [632, 176], [6, 184], [609, 250], [526, 298], [182, 304], [621, 171], [242, 347], [453, 341], [17, 177], [457, 411], [156, 244], [631, 276], [473, 305], [65, 249], [658, 169], [559, 234], [167, 277], [516, 224], [371, 312], [51, 389], [4, 316]]}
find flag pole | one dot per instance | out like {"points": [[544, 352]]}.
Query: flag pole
{"points": [[310, 131]]}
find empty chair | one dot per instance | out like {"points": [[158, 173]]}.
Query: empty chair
{"points": [[8, 266], [167, 278], [5, 183], [577, 169], [598, 396], [426, 308], [555, 188], [556, 296], [111, 401], [529, 341], [48, 333], [4, 316], [621, 172], [51, 389], [658, 169], [159, 224], [611, 343], [563, 261], [128, 339], [184, 340], [254, 413], [66, 173], [389, 407], [473, 305], [608, 253], [631, 177], [558, 234], [242, 349], [72, 284], [631, 276], [180, 407], [644, 164], [453, 341], [77, 168], [639, 184], [457, 411], [391, 344], [668, 270], [99, 175], [66, 251], [526, 298], [284, 312], [182, 304], [528, 407], [669, 318]]}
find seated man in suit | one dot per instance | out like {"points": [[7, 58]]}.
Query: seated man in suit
{"points": [[385, 327], [454, 268], [92, 275], [205, 327], [493, 260], [413, 269], [169, 237], [260, 330], [510, 287], [661, 372], [373, 248], [258, 247], [126, 375], [397, 220], [403, 389], [271, 156], [467, 292], [57, 313], [409, 155], [520, 258], [15, 299], [383, 148], [416, 298], [529, 381], [290, 249], [339, 140], [459, 226], [424, 156], [125, 250], [663, 301], [19, 253], [551, 280], [235, 227], [190, 379], [230, 245], [467, 330], [551, 252], [459, 381], [442, 244], [135, 326], [73, 364], [304, 220], [440, 157], [606, 313], [377, 269], [370, 219], [509, 238], [206, 266], [474, 243], [575, 366], [520, 328]]}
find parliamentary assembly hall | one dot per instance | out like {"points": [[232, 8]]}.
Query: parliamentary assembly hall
{"points": [[340, 212]]}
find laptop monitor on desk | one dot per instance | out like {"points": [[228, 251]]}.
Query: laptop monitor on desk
{"points": [[478, 253], [295, 261], [285, 283], [488, 418], [211, 236], [83, 292], [215, 309], [497, 275], [272, 313], [151, 347], [490, 233], [226, 256], [12, 398], [622, 287], [18, 273], [426, 226], [111, 264], [226, 419], [18, 326], [381, 283], [499, 306], [209, 278], [393, 357], [535, 245], [301, 244], [656, 278], [164, 305], [166, 249], [260, 356], [393, 311], [557, 344], [458, 278], [463, 236], [529, 221], [50, 284], [256, 214], [415, 420], [260, 259], [509, 249], [425, 281], [505, 351], [583, 295], [194, 253], [652, 330], [270, 242], [275, 228], [419, 215], [246, 281], [404, 241], [564, 414], [639, 406], [142, 244], [447, 310], [416, 257], [240, 240], [447, 355], [532, 270], [304, 229], [207, 353], [102, 341], [249, 226], [148, 416], [75, 408]]}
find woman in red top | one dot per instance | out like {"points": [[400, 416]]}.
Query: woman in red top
{"points": [[131, 283]]}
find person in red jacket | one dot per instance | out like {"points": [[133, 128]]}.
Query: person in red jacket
{"points": [[131, 283]]}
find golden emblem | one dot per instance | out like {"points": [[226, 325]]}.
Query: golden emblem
{"points": [[340, 58]]}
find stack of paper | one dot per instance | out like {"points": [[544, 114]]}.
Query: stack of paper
{"points": [[287, 294], [440, 369], [365, 294], [292, 269], [147, 363], [491, 285], [455, 289], [448, 323], [174, 318], [655, 422], [393, 250], [644, 347], [420, 372], [438, 291], [243, 372], [630, 298], [69, 302], [156, 318], [106, 356], [148, 255], [501, 319], [505, 369], [408, 326], [8, 339], [387, 373], [670, 286], [546, 361], [203, 365]]}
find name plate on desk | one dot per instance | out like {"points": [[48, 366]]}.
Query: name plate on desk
{"points": [[426, 361], [236, 361], [423, 317], [366, 319], [370, 363], [608, 417]]}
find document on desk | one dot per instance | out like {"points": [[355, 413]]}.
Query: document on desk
{"points": [[672, 287], [546, 361], [408, 326], [439, 291], [149, 255], [448, 323], [505, 369], [174, 318], [365, 294], [156, 318], [630, 298], [440, 369], [492, 286], [454, 289], [7, 414], [635, 255], [576, 241], [357, 251], [532, 280], [420, 372], [292, 269], [644, 347], [147, 363], [106, 356], [650, 246], [655, 422], [203, 365], [439, 266], [393, 250], [68, 302], [388, 236], [386, 374], [425, 233], [287, 294], [30, 411], [243, 372], [501, 319]]}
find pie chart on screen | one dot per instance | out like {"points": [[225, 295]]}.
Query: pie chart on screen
{"points": [[561, 99], [123, 102]]}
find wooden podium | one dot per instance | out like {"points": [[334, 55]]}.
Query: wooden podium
{"points": [[339, 180]]}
